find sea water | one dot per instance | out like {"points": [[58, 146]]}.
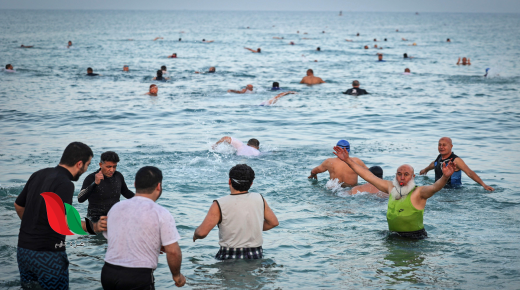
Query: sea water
{"points": [[326, 238]]}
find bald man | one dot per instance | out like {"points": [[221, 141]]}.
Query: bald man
{"points": [[310, 79], [407, 201], [445, 150]]}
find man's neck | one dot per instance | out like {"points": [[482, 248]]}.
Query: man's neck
{"points": [[147, 195], [70, 169], [234, 191], [446, 156]]}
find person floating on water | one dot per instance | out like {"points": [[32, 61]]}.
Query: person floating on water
{"points": [[357, 34], [338, 169], [211, 70], [276, 86], [140, 229], [160, 77], [40, 257], [180, 39], [318, 49], [375, 39], [164, 70], [465, 61], [104, 187], [251, 149], [404, 39], [90, 72], [207, 41], [355, 91], [174, 55], [448, 40], [407, 71], [406, 201], [69, 44], [445, 147], [291, 43], [9, 68], [405, 55], [380, 57], [255, 51], [157, 38], [126, 68], [368, 187], [241, 217], [247, 90], [349, 40], [275, 99], [310, 79], [366, 47], [153, 90], [26, 46]]}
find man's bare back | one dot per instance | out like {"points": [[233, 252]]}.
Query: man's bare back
{"points": [[311, 80], [369, 188], [340, 170]]}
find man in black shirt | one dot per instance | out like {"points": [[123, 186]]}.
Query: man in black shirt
{"points": [[40, 257], [355, 91], [104, 187], [91, 73]]}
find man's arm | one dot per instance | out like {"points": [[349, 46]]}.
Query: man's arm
{"points": [[127, 193], [383, 185], [250, 49], [458, 61], [98, 227], [211, 220], [321, 81], [19, 210], [469, 61], [470, 173], [270, 219], [318, 169], [302, 81], [427, 168], [19, 204], [237, 92], [429, 190], [174, 258], [226, 139], [89, 185]]}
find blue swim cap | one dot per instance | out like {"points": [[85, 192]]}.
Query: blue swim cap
{"points": [[344, 144]]}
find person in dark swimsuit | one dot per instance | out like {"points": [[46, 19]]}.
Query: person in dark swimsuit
{"points": [[91, 73], [160, 77], [355, 91], [446, 155], [104, 187]]}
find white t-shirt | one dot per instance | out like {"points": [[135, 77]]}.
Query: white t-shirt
{"points": [[137, 228], [243, 149]]}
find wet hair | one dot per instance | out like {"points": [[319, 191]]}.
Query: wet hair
{"points": [[259, 50], [385, 39], [89, 69], [241, 176], [159, 73], [147, 179], [318, 49], [110, 156], [7, 66], [203, 39], [180, 39], [311, 71], [405, 55], [163, 67], [276, 85], [152, 85], [375, 39], [448, 39], [355, 83], [377, 171], [76, 152], [253, 142]]}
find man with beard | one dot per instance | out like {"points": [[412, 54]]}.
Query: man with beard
{"points": [[39, 259], [139, 231], [104, 187], [407, 201]]}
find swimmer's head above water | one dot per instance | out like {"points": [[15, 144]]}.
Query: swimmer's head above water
{"points": [[89, 70], [276, 86], [380, 57], [355, 84], [407, 70], [318, 49], [126, 68], [377, 171], [153, 90], [310, 72], [344, 144], [8, 66], [405, 55], [254, 143], [70, 43], [212, 69], [163, 68], [366, 46]]}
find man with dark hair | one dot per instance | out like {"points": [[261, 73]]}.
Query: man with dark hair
{"points": [[242, 150], [139, 230], [104, 187], [241, 217], [276, 86], [355, 91], [369, 188], [9, 68], [310, 79], [39, 259], [91, 73]]}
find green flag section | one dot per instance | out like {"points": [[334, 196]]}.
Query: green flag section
{"points": [[74, 220]]}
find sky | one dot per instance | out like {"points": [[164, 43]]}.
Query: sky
{"points": [[468, 6]]}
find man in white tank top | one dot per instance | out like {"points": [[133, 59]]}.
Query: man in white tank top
{"points": [[241, 218]]}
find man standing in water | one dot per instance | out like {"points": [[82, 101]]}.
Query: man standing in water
{"points": [[241, 217], [407, 201], [39, 259], [242, 150], [445, 153], [310, 79], [338, 169], [104, 187]]}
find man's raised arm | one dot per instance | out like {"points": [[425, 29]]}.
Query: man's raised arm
{"points": [[383, 185], [226, 139], [429, 190]]}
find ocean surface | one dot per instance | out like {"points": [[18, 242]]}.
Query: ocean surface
{"points": [[326, 238]]}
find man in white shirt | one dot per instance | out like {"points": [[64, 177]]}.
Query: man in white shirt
{"points": [[251, 149], [241, 217], [140, 230]]}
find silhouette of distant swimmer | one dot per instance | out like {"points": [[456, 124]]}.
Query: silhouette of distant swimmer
{"points": [[173, 55], [276, 86], [273, 100], [91, 73], [126, 68], [160, 77], [157, 38], [255, 51], [464, 61], [26, 46], [207, 41], [211, 70], [153, 90], [247, 90], [69, 44]]}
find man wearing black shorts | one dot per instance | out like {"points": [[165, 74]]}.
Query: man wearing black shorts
{"points": [[39, 258], [104, 187]]}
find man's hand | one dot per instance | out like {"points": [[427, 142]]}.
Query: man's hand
{"points": [[423, 172], [101, 225], [180, 280], [341, 152], [488, 188], [448, 169], [99, 176], [313, 176]]}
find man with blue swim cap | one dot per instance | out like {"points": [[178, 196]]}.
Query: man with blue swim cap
{"points": [[445, 146], [406, 201], [338, 169]]}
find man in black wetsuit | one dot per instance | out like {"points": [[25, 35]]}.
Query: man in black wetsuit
{"points": [[104, 187], [355, 91], [446, 154], [91, 73]]}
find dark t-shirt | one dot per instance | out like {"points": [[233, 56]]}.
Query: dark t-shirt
{"points": [[101, 197], [356, 92], [35, 232], [92, 74]]}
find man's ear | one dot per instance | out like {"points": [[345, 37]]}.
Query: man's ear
{"points": [[229, 181], [159, 186], [79, 164]]}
